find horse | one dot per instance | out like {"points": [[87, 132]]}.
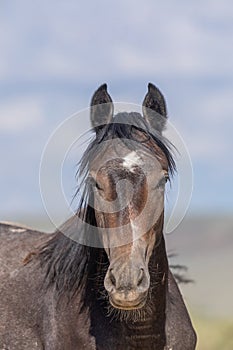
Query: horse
{"points": [[102, 280]]}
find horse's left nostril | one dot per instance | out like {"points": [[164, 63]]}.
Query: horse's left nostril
{"points": [[112, 278], [140, 277]]}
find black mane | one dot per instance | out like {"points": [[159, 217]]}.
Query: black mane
{"points": [[69, 264]]}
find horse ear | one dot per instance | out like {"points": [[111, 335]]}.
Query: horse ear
{"points": [[101, 107], [154, 108]]}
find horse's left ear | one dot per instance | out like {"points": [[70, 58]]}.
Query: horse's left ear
{"points": [[154, 108], [101, 107]]}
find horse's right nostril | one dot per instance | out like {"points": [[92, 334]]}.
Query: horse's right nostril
{"points": [[112, 278]]}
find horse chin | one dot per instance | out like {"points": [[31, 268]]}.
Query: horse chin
{"points": [[128, 306]]}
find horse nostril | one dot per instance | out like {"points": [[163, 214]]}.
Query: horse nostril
{"points": [[140, 277], [112, 278]]}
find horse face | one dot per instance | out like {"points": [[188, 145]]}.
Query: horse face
{"points": [[129, 203], [128, 196]]}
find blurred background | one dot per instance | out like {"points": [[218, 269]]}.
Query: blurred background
{"points": [[55, 54]]}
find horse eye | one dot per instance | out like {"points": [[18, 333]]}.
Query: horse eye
{"points": [[98, 186], [166, 177], [162, 182], [94, 183]]}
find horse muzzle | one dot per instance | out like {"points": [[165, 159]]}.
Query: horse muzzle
{"points": [[127, 289], [123, 301]]}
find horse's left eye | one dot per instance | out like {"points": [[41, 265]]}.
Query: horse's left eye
{"points": [[162, 182], [166, 176]]}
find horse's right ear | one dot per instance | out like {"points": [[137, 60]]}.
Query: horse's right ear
{"points": [[101, 107]]}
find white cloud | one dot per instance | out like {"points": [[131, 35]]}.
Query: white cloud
{"points": [[205, 123], [182, 45], [217, 107], [19, 115], [84, 40]]}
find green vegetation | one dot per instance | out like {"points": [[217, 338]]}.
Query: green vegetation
{"points": [[213, 334]]}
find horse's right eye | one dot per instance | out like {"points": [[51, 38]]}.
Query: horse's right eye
{"points": [[97, 186], [94, 184]]}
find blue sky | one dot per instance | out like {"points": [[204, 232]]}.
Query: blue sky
{"points": [[55, 54]]}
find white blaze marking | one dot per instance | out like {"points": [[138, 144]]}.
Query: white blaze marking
{"points": [[134, 234], [134, 230], [131, 160]]}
